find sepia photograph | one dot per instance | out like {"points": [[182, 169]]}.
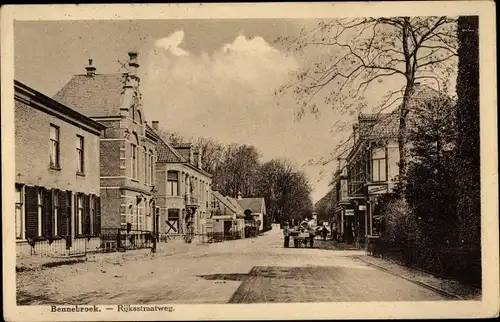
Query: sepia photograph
{"points": [[313, 160]]}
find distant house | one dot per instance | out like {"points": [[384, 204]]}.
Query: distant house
{"points": [[127, 146], [57, 176], [184, 188], [227, 215], [257, 207]]}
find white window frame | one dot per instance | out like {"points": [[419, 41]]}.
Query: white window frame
{"points": [[92, 214], [56, 208], [20, 212], [173, 183], [55, 147], [379, 162], [79, 214], [40, 206], [80, 150]]}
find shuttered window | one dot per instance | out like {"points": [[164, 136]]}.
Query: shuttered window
{"points": [[97, 223], [19, 212], [40, 202], [56, 212], [79, 215], [31, 218]]}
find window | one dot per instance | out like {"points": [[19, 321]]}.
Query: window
{"points": [[40, 211], [92, 215], [172, 183], [151, 167], [79, 214], [55, 211], [132, 111], [146, 167], [54, 146], [80, 152], [133, 150], [19, 212], [379, 165]]}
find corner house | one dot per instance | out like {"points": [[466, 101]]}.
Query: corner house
{"points": [[57, 176]]}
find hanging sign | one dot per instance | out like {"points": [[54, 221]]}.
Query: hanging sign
{"points": [[349, 212], [375, 190], [362, 207]]}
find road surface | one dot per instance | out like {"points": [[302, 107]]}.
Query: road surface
{"points": [[257, 270]]}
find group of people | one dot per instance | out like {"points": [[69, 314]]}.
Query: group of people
{"points": [[304, 227]]}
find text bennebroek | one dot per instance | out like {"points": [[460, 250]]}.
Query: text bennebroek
{"points": [[74, 308], [140, 308]]}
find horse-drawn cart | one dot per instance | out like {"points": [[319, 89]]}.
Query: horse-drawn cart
{"points": [[301, 239]]}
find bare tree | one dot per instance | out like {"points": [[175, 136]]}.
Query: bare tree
{"points": [[361, 52]]}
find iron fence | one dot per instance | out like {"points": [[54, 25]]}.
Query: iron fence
{"points": [[123, 240], [59, 246], [454, 263], [217, 237]]}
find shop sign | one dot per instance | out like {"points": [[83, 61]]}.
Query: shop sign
{"points": [[349, 212], [362, 207], [375, 190]]}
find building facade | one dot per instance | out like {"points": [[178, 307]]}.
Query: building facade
{"points": [[57, 175], [184, 189], [256, 207], [227, 216], [372, 166], [127, 146]]}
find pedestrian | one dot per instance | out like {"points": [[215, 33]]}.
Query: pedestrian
{"points": [[286, 234], [324, 232]]}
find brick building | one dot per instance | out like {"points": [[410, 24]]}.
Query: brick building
{"points": [[57, 175], [127, 146], [184, 189]]}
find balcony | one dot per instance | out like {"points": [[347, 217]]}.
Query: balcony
{"points": [[191, 201]]}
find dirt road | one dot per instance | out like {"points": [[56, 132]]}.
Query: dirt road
{"points": [[243, 271]]}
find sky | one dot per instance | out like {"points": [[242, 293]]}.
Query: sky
{"points": [[206, 77]]}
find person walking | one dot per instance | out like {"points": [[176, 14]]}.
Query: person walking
{"points": [[324, 232], [286, 234]]}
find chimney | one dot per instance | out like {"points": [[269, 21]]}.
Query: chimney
{"points": [[240, 197], [155, 125], [90, 69], [132, 63], [196, 159]]}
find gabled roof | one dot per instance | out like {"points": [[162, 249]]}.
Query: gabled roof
{"points": [[235, 204], [97, 96], [254, 204], [226, 201], [29, 96], [167, 153]]}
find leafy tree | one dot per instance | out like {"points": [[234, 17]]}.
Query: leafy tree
{"points": [[468, 138], [361, 52], [431, 175]]}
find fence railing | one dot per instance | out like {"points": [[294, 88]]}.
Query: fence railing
{"points": [[455, 263], [217, 237], [122, 240], [59, 247]]}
